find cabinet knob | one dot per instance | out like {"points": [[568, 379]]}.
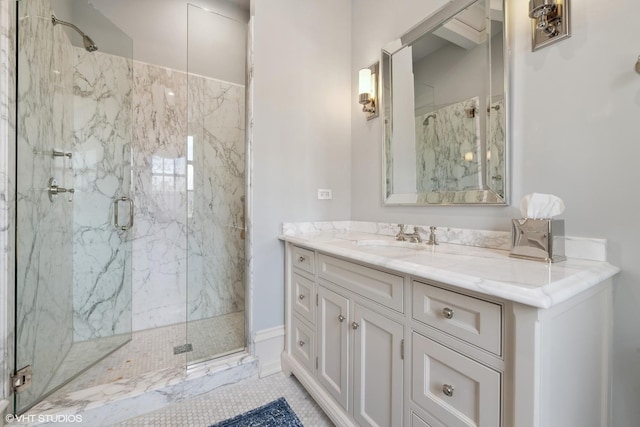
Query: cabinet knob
{"points": [[341, 318], [447, 313], [301, 297], [355, 325], [301, 343], [447, 390], [301, 258]]}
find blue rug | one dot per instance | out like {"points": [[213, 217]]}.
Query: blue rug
{"points": [[275, 414]]}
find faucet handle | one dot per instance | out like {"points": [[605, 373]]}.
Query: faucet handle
{"points": [[432, 236], [400, 235]]}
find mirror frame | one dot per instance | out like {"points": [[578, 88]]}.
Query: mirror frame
{"points": [[479, 197]]}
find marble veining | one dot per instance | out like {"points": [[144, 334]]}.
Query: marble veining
{"points": [[189, 176], [575, 247], [487, 271], [468, 237], [101, 165], [44, 121], [472, 259], [129, 397], [160, 242], [448, 148], [215, 283]]}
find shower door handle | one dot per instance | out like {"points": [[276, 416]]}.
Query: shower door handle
{"points": [[116, 204]]}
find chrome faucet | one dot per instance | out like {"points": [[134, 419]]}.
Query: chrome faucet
{"points": [[412, 237], [432, 236]]}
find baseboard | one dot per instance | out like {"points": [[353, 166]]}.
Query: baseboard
{"points": [[269, 344]]}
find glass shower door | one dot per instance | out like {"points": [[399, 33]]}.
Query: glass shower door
{"points": [[215, 167], [74, 214]]}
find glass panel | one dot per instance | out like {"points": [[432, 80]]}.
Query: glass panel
{"points": [[74, 111], [215, 184]]}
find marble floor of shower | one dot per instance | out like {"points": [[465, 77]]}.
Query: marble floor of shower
{"points": [[153, 350]]}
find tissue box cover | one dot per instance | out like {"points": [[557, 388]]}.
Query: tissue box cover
{"points": [[538, 239]]}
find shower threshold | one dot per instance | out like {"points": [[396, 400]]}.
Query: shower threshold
{"points": [[145, 374], [107, 404]]}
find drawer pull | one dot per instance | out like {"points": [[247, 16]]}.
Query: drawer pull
{"points": [[447, 390], [447, 313], [302, 258], [301, 343], [355, 325], [341, 318], [301, 297]]}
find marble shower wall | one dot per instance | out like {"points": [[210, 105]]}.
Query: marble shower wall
{"points": [[448, 148], [102, 143], [160, 150], [216, 197], [189, 188], [44, 122]]}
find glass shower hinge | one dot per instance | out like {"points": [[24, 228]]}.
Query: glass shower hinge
{"points": [[22, 379]]}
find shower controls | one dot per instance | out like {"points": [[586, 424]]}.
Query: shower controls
{"points": [[57, 153], [54, 189], [116, 206]]}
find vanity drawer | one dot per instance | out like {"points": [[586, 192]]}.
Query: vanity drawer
{"points": [[380, 286], [416, 421], [454, 389], [304, 259], [303, 297], [303, 343], [473, 320]]}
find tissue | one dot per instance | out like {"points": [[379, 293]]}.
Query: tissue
{"points": [[541, 206]]}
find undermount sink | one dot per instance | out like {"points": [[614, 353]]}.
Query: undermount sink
{"points": [[391, 244]]}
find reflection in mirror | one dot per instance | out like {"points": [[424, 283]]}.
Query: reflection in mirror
{"points": [[445, 111]]}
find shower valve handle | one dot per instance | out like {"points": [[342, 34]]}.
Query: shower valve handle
{"points": [[54, 189]]}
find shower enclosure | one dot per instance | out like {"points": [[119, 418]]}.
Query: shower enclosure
{"points": [[130, 200]]}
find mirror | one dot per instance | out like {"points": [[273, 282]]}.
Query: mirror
{"points": [[445, 108]]}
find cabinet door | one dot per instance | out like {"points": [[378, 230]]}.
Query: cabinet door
{"points": [[377, 369], [333, 344]]}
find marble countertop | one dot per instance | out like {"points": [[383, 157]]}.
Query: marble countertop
{"points": [[484, 270]]}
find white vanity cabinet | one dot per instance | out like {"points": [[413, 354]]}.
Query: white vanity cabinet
{"points": [[355, 364], [376, 346]]}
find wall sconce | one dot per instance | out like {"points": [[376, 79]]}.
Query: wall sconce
{"points": [[550, 22], [367, 90]]}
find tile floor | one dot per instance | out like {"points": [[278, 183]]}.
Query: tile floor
{"points": [[152, 350], [231, 400]]}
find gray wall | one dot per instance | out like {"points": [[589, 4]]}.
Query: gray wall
{"points": [[301, 131], [574, 134], [159, 30]]}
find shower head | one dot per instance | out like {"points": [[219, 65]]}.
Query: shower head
{"points": [[89, 45], [430, 116]]}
